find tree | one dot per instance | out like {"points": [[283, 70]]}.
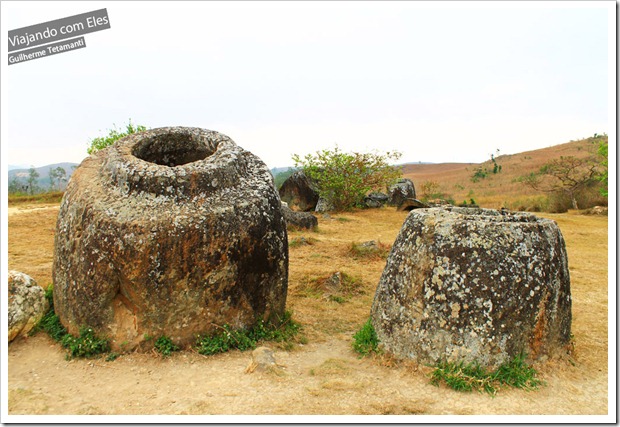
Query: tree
{"points": [[482, 172], [602, 151], [57, 176], [33, 175], [113, 136], [430, 190], [344, 179], [16, 186], [568, 175]]}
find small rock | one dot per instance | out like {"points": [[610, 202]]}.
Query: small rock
{"points": [[263, 360], [375, 200], [27, 304], [369, 244], [299, 220], [333, 282], [323, 206]]}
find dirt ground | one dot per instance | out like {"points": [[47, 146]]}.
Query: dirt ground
{"points": [[323, 376]]}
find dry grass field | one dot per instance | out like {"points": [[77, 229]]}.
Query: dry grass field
{"points": [[322, 376], [502, 189]]}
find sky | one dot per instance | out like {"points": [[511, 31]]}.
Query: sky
{"points": [[438, 81]]}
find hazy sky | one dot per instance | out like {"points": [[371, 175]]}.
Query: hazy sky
{"points": [[440, 82]]}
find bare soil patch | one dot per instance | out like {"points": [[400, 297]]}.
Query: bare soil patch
{"points": [[324, 376]]}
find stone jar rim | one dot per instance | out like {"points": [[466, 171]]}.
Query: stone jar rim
{"points": [[177, 162], [482, 215]]}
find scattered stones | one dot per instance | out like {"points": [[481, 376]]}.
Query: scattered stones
{"points": [[411, 204], [263, 360], [299, 220], [597, 210], [302, 241], [169, 232], [466, 284], [399, 192], [375, 200], [27, 304], [299, 192], [371, 244]]}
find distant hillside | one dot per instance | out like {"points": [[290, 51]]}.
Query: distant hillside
{"points": [[503, 189], [19, 177]]}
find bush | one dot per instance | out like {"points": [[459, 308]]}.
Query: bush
{"points": [[113, 136], [430, 190], [365, 340], [344, 179], [165, 346], [87, 344]]}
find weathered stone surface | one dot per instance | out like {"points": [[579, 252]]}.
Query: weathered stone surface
{"points": [[27, 304], [375, 200], [411, 204], [474, 285], [169, 232], [263, 360], [299, 220], [323, 206], [299, 192], [333, 283], [597, 210], [399, 192]]}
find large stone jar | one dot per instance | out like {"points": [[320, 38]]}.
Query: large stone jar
{"points": [[474, 285], [173, 231]]}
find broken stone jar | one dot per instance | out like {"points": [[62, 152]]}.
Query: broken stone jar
{"points": [[170, 232], [474, 285]]}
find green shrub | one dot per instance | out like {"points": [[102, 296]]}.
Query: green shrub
{"points": [[165, 346], [365, 340], [283, 330], [113, 135], [344, 179], [87, 344], [50, 323]]}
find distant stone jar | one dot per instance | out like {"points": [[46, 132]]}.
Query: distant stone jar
{"points": [[474, 285], [173, 231]]}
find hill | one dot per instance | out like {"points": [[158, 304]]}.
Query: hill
{"points": [[455, 180], [20, 176]]}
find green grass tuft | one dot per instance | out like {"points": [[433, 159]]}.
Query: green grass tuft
{"points": [[469, 377], [369, 251], [365, 340], [284, 330], [87, 344]]}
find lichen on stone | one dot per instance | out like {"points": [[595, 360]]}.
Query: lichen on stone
{"points": [[170, 232], [470, 284]]}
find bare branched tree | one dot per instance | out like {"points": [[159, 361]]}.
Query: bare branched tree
{"points": [[568, 175]]}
